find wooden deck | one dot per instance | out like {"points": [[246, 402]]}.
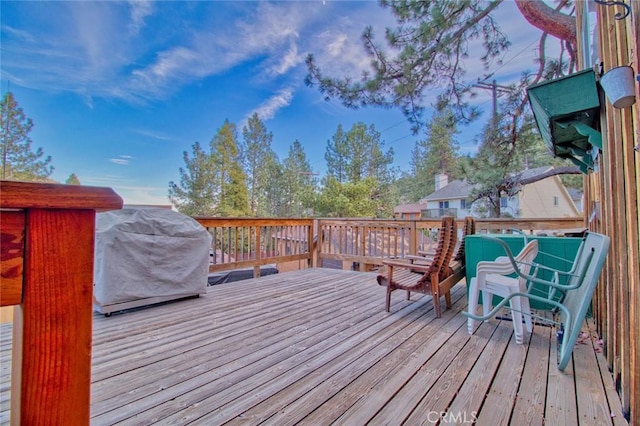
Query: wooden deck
{"points": [[316, 347]]}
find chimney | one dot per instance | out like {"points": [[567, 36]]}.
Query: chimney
{"points": [[442, 180]]}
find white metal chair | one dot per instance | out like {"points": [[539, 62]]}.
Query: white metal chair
{"points": [[492, 278]]}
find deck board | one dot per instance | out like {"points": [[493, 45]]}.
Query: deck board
{"points": [[316, 347]]}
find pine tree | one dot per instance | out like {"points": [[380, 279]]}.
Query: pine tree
{"points": [[436, 154], [353, 158], [259, 161], [229, 177], [72, 180], [426, 52], [298, 183], [19, 162], [336, 155], [194, 195]]}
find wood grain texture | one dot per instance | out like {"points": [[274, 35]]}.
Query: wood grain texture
{"points": [[23, 195], [313, 347], [11, 257], [57, 316]]}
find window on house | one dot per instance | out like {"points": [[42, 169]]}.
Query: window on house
{"points": [[555, 201], [504, 202], [443, 204], [463, 204]]}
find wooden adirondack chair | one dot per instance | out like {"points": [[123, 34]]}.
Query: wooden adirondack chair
{"points": [[431, 278], [571, 308]]}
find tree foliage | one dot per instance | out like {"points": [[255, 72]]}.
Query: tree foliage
{"points": [[437, 153], [19, 161], [259, 165], [230, 180], [349, 199], [194, 195], [72, 179], [356, 159], [425, 51], [298, 183]]}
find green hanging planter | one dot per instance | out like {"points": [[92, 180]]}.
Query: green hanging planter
{"points": [[567, 112]]}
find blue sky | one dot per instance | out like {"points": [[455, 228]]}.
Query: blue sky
{"points": [[118, 90]]}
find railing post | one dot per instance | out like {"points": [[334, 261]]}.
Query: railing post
{"points": [[51, 372], [413, 239], [256, 269], [313, 245]]}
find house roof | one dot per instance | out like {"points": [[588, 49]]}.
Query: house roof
{"points": [[409, 208], [575, 194], [460, 189], [456, 189], [530, 173]]}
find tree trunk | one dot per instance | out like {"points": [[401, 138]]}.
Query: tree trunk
{"points": [[551, 21]]}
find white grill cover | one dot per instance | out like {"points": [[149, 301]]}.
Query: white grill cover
{"points": [[149, 252]]}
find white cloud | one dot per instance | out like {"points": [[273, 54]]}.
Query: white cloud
{"points": [[140, 9], [122, 160], [23, 35], [290, 59], [154, 135], [271, 106]]}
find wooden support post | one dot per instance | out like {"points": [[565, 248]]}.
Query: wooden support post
{"points": [[51, 373]]}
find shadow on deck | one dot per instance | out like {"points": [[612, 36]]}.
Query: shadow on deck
{"points": [[315, 347]]}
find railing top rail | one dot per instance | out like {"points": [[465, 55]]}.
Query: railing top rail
{"points": [[24, 195], [252, 221]]}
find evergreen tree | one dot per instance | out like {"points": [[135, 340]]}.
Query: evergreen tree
{"points": [[298, 183], [337, 154], [436, 154], [259, 161], [510, 143], [72, 179], [229, 177], [349, 199], [275, 194], [194, 195], [19, 162], [426, 51], [353, 157]]}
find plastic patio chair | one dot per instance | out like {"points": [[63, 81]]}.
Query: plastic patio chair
{"points": [[492, 278], [571, 308]]}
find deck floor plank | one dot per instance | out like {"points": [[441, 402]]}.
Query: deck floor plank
{"points": [[359, 400], [430, 385], [218, 352], [459, 381], [316, 347], [528, 408], [378, 361], [593, 408], [337, 352], [504, 388], [485, 375]]}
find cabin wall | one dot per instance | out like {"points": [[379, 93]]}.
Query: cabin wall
{"points": [[611, 207]]}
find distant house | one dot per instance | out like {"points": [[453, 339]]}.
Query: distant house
{"points": [[449, 199], [577, 197], [546, 198]]}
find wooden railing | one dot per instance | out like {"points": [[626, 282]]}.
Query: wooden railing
{"points": [[367, 242], [251, 242], [46, 260]]}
